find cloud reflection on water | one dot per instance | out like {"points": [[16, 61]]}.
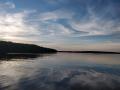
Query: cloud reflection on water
{"points": [[53, 72], [70, 79]]}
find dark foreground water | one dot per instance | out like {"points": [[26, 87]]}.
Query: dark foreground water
{"points": [[61, 71]]}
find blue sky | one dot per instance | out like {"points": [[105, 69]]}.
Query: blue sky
{"points": [[62, 24]]}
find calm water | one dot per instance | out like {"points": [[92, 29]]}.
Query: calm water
{"points": [[61, 71]]}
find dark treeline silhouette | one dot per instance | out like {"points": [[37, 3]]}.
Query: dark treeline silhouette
{"points": [[94, 52], [10, 47]]}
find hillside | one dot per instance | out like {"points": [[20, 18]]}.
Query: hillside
{"points": [[10, 47]]}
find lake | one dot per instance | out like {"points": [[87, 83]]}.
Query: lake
{"points": [[60, 71]]}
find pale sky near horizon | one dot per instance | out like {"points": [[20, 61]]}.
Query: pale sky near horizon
{"points": [[62, 24]]}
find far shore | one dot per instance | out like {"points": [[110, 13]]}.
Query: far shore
{"points": [[94, 52]]}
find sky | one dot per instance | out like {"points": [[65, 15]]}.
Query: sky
{"points": [[62, 24]]}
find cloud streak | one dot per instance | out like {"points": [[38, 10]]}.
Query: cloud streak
{"points": [[61, 24]]}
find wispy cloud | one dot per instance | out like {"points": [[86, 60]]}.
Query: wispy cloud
{"points": [[13, 26], [56, 15], [7, 5], [72, 22], [94, 25]]}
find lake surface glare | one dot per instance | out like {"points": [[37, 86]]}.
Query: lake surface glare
{"points": [[61, 71]]}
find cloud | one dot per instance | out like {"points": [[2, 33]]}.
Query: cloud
{"points": [[7, 5], [94, 25], [19, 26], [91, 26], [58, 29], [73, 22], [56, 14], [14, 27]]}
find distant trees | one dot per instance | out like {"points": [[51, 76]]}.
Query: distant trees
{"points": [[10, 47]]}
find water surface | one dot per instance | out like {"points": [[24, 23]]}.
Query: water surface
{"points": [[61, 71]]}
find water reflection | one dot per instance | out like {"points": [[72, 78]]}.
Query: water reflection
{"points": [[61, 72], [26, 56]]}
